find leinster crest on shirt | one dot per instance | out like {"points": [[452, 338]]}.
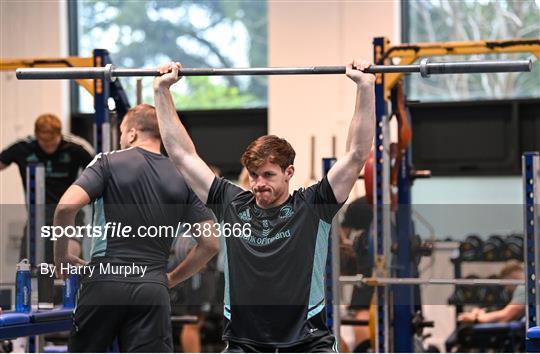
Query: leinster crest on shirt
{"points": [[286, 212]]}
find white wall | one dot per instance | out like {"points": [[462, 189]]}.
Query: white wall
{"points": [[29, 29], [311, 34], [459, 206]]}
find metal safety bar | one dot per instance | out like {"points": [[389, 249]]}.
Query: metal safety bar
{"points": [[359, 279]]}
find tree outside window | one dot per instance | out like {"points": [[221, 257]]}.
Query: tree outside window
{"points": [[196, 33], [474, 20]]}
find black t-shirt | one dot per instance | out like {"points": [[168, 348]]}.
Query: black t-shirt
{"points": [[274, 278], [142, 190], [61, 167]]}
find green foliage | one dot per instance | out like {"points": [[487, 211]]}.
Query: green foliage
{"points": [[146, 33], [203, 94], [474, 20]]}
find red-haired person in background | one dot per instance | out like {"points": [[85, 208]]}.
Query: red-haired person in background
{"points": [[62, 155]]}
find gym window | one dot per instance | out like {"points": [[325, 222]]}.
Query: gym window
{"points": [[468, 20], [474, 124], [199, 34]]}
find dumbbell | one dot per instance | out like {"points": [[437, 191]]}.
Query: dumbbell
{"points": [[470, 292], [457, 297], [493, 249], [489, 294], [471, 248], [465, 294], [513, 247]]}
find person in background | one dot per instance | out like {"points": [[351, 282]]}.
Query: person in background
{"points": [[355, 231], [139, 188], [195, 296], [514, 310], [62, 155]]}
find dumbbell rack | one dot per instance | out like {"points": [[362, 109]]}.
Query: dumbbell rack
{"points": [[458, 274]]}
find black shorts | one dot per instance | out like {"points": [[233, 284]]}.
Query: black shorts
{"points": [[137, 314], [324, 344]]}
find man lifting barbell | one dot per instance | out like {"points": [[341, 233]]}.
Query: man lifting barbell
{"points": [[274, 291]]}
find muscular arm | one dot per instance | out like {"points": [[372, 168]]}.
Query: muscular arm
{"points": [[176, 139], [343, 175], [202, 253], [73, 200]]}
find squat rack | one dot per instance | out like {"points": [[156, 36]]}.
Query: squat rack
{"points": [[403, 313]]}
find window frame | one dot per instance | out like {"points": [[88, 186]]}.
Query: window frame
{"points": [[73, 45], [81, 123], [517, 135]]}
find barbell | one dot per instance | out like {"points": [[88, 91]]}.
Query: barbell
{"points": [[425, 68], [378, 281]]}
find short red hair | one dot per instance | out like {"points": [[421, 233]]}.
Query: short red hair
{"points": [[47, 127], [268, 148]]}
